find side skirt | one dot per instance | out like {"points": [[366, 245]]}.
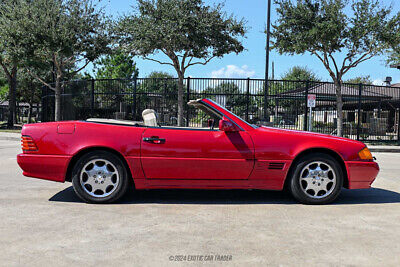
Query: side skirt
{"points": [[208, 184]]}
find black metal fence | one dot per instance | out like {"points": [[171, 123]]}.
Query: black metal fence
{"points": [[371, 113], [21, 113]]}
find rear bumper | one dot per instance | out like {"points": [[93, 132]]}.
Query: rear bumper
{"points": [[361, 174], [48, 167]]}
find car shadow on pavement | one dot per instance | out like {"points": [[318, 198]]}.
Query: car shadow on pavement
{"points": [[361, 196]]}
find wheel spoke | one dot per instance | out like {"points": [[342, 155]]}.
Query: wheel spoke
{"points": [[90, 182], [307, 179], [98, 186], [107, 182], [312, 186], [324, 185]]}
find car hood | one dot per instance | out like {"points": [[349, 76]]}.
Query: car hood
{"points": [[307, 134], [292, 142]]}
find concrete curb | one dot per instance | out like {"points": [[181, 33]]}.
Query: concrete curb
{"points": [[385, 149]]}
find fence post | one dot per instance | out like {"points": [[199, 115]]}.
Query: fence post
{"points": [[187, 98], [92, 99], [266, 91], [44, 105], [398, 118], [359, 111], [305, 124], [134, 98], [247, 98], [398, 126]]}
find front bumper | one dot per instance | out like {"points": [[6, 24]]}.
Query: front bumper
{"points": [[361, 174], [48, 167]]}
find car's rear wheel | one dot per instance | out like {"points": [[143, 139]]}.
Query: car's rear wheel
{"points": [[100, 177], [316, 179]]}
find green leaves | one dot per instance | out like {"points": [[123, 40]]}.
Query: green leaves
{"points": [[309, 26], [327, 26], [360, 79], [68, 32], [393, 40], [117, 65], [298, 73], [186, 28]]}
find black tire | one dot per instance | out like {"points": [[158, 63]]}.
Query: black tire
{"points": [[120, 171], [298, 187]]}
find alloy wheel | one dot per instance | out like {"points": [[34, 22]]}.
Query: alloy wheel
{"points": [[317, 179], [99, 178]]}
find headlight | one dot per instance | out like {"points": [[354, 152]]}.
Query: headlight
{"points": [[365, 154]]}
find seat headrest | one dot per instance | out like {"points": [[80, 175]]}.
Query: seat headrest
{"points": [[149, 117], [148, 111]]}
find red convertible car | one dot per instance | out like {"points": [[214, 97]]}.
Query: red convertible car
{"points": [[103, 158]]}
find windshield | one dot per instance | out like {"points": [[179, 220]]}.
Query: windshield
{"points": [[236, 116]]}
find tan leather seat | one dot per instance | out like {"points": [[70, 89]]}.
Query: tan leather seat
{"points": [[149, 117]]}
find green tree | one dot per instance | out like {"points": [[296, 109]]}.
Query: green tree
{"points": [[159, 88], [393, 38], [160, 75], [14, 20], [299, 73], [30, 90], [394, 57], [360, 79], [117, 65], [121, 67], [327, 27], [159, 82], [75, 34], [187, 32]]}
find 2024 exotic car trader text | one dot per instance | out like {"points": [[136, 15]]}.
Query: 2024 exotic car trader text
{"points": [[103, 158]]}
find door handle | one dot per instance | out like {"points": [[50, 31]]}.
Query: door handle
{"points": [[154, 140]]}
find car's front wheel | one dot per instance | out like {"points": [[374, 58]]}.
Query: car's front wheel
{"points": [[316, 179], [100, 177]]}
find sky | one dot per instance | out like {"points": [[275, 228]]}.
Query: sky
{"points": [[251, 62]]}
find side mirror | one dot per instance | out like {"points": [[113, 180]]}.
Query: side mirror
{"points": [[227, 126]]}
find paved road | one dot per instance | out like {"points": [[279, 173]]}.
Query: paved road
{"points": [[43, 223]]}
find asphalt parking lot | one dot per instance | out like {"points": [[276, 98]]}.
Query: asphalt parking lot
{"points": [[43, 223]]}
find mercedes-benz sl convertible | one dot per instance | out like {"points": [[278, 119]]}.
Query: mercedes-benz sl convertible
{"points": [[104, 158]]}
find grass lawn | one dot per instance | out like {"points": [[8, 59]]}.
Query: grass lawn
{"points": [[10, 130], [3, 128]]}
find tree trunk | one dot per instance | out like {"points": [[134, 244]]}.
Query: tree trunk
{"points": [[57, 106], [339, 107], [12, 81], [180, 99]]}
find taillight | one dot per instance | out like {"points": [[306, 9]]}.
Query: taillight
{"points": [[28, 144]]}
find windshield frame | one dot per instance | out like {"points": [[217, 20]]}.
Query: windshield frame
{"points": [[233, 114]]}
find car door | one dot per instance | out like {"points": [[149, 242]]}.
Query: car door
{"points": [[178, 153]]}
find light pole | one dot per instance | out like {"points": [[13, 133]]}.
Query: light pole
{"points": [[266, 89]]}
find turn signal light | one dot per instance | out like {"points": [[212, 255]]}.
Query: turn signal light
{"points": [[365, 154], [28, 144]]}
